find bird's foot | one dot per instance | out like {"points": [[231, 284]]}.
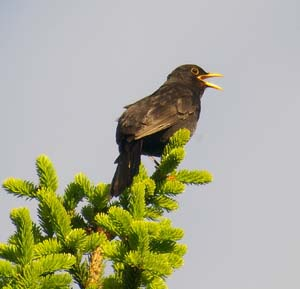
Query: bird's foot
{"points": [[156, 162]]}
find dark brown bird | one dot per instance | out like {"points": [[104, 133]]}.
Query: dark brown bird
{"points": [[146, 125]]}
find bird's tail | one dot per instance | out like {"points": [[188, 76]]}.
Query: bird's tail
{"points": [[128, 166]]}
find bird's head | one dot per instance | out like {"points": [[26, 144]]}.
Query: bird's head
{"points": [[194, 75]]}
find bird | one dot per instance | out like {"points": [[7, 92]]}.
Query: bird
{"points": [[146, 125]]}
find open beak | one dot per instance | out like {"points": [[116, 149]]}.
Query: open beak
{"points": [[209, 75]]}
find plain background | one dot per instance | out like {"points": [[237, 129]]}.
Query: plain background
{"points": [[68, 67]]}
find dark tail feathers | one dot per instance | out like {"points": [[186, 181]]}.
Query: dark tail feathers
{"points": [[128, 166]]}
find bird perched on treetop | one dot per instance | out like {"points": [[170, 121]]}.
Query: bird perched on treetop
{"points": [[146, 125]]}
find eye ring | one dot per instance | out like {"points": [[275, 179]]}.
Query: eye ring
{"points": [[195, 70]]}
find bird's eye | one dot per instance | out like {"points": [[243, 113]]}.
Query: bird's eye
{"points": [[195, 70]]}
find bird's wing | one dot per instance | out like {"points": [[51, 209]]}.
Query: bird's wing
{"points": [[157, 112]]}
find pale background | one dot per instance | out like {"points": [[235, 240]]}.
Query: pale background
{"points": [[68, 67]]}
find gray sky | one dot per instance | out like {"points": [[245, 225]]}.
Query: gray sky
{"points": [[68, 67]]}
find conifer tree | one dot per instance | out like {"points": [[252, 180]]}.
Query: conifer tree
{"points": [[82, 230]]}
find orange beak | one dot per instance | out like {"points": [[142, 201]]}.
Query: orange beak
{"points": [[209, 75]]}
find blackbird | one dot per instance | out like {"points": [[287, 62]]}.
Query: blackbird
{"points": [[146, 125]]}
